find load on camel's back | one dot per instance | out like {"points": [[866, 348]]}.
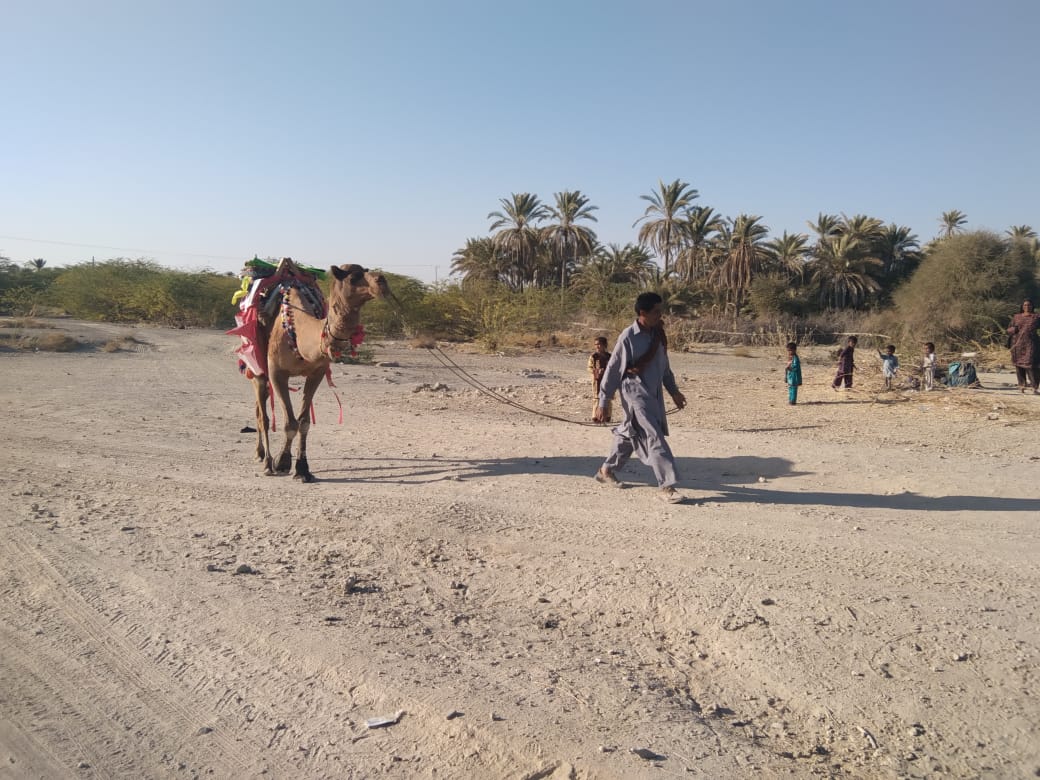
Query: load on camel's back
{"points": [[288, 330]]}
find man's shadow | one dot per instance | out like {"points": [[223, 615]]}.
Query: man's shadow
{"points": [[735, 479]]}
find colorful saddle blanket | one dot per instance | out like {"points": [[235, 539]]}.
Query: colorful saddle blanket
{"points": [[264, 287]]}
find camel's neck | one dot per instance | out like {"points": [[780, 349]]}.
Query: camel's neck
{"points": [[343, 320]]}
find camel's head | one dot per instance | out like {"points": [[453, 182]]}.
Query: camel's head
{"points": [[356, 285]]}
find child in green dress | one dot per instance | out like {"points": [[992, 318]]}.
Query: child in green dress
{"points": [[794, 373]]}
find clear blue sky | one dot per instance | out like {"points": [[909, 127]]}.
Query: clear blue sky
{"points": [[200, 133]]}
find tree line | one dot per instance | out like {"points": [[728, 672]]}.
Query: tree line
{"points": [[701, 261], [541, 275]]}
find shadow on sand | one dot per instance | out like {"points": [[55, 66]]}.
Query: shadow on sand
{"points": [[734, 479]]}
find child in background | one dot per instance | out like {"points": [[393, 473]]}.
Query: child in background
{"points": [[597, 364], [794, 373], [928, 366], [846, 364], [889, 364]]}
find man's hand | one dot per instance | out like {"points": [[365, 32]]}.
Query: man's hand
{"points": [[599, 414], [680, 400]]}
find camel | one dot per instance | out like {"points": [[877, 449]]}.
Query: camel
{"points": [[299, 344]]}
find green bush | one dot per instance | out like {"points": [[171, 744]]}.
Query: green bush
{"points": [[142, 291], [407, 314], [964, 291], [771, 296], [21, 301], [24, 291]]}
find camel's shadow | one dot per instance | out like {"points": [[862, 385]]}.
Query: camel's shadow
{"points": [[738, 479]]}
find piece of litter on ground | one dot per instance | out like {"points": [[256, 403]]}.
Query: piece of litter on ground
{"points": [[452, 715], [869, 737], [384, 720], [647, 754]]}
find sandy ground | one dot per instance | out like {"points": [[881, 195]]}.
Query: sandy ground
{"points": [[848, 589]]}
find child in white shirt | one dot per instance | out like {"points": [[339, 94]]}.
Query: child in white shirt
{"points": [[928, 366]]}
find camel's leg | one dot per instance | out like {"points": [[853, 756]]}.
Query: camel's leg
{"points": [[263, 423], [280, 385], [309, 388]]}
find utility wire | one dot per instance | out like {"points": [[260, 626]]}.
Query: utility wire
{"points": [[174, 252], [118, 248]]}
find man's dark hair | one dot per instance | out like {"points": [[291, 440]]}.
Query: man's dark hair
{"points": [[792, 345], [601, 339], [647, 301]]}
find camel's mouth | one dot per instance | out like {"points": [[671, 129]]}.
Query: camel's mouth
{"points": [[377, 284]]}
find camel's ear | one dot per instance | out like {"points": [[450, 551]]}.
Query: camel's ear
{"points": [[355, 272]]}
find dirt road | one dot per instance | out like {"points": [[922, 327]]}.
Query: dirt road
{"points": [[848, 589]]}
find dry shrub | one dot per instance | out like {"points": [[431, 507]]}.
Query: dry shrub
{"points": [[128, 343], [573, 341], [23, 322], [48, 342], [988, 357], [423, 341], [763, 331], [529, 341], [57, 342]]}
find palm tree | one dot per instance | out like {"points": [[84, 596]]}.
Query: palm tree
{"points": [[677, 296], [1020, 232], [518, 237], [478, 260], [702, 226], [898, 250], [1026, 235], [669, 206], [826, 226], [566, 240], [841, 270], [37, 264], [788, 253], [866, 229], [613, 264], [744, 254], [952, 222]]}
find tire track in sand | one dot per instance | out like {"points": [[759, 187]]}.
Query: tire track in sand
{"points": [[112, 656]]}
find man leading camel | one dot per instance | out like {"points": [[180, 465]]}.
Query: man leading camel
{"points": [[639, 368]]}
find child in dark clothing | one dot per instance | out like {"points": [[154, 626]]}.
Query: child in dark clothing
{"points": [[846, 364]]}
